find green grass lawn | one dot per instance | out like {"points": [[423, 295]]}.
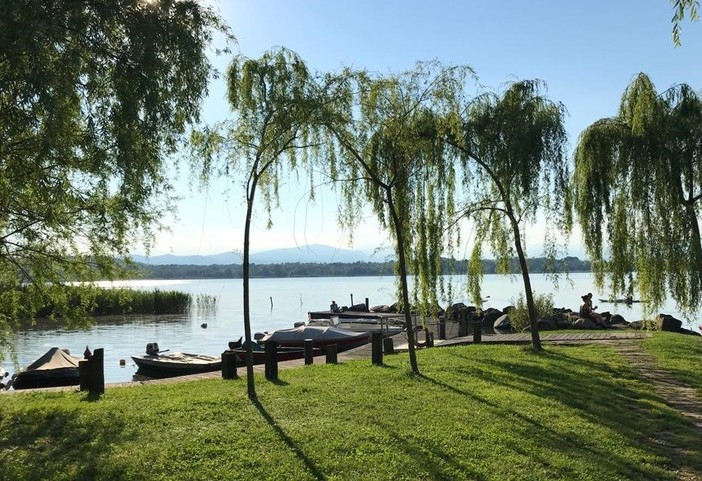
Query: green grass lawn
{"points": [[681, 355], [483, 412]]}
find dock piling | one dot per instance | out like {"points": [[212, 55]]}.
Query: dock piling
{"points": [[477, 331], [332, 354], [229, 364], [429, 338], [309, 353], [377, 348], [92, 373], [388, 346], [442, 329], [271, 368]]}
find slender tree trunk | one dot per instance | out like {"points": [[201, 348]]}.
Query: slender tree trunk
{"points": [[696, 243], [535, 339], [246, 274], [397, 225]]}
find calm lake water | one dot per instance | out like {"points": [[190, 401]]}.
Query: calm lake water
{"points": [[291, 300]]}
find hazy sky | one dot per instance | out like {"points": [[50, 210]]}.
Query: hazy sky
{"points": [[586, 51]]}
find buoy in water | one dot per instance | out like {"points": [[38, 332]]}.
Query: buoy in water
{"points": [[122, 362]]}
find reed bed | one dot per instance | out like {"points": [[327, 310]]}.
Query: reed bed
{"points": [[118, 301]]}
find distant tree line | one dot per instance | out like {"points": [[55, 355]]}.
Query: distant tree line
{"points": [[336, 269]]}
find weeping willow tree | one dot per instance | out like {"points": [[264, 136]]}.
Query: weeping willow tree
{"points": [[512, 150], [270, 137], [95, 99], [683, 9], [637, 188], [391, 154]]}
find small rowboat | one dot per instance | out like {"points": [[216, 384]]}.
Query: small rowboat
{"points": [[156, 363]]}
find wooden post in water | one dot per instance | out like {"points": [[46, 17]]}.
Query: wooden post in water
{"points": [[331, 354], [477, 331], [352, 298], [229, 364], [367, 305], [309, 351], [271, 349], [377, 348], [388, 346]]}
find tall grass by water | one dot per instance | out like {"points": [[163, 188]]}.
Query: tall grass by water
{"points": [[483, 412], [118, 301], [204, 304]]}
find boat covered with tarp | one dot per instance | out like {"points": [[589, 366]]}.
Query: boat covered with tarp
{"points": [[55, 368], [321, 336]]}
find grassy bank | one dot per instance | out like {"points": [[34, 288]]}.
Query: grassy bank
{"points": [[680, 355], [476, 412]]}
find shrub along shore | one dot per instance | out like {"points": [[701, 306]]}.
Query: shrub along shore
{"points": [[489, 412]]}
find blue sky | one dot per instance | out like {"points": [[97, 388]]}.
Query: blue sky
{"points": [[587, 52]]}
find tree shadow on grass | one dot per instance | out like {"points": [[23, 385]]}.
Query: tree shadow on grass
{"points": [[604, 396], [289, 442], [55, 442], [567, 443]]}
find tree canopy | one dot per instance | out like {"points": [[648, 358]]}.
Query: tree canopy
{"points": [[392, 155], [512, 148], [271, 135], [637, 189], [94, 98]]}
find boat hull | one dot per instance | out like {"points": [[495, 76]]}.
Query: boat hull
{"points": [[46, 378], [176, 364]]}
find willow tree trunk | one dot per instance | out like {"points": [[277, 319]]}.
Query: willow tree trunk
{"points": [[397, 225], [246, 274], [535, 339], [696, 240]]}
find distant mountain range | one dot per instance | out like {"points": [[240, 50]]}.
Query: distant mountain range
{"points": [[314, 253]]}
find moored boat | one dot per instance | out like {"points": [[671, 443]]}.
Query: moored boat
{"points": [[321, 336], [157, 363], [55, 368], [387, 327], [621, 301]]}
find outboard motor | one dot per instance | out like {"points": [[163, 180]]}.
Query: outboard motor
{"points": [[152, 348]]}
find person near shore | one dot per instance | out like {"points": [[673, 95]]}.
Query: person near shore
{"points": [[334, 307], [587, 311]]}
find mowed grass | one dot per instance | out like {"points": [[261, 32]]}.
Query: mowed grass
{"points": [[483, 412], [680, 355]]}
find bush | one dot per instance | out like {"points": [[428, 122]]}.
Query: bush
{"points": [[519, 316]]}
